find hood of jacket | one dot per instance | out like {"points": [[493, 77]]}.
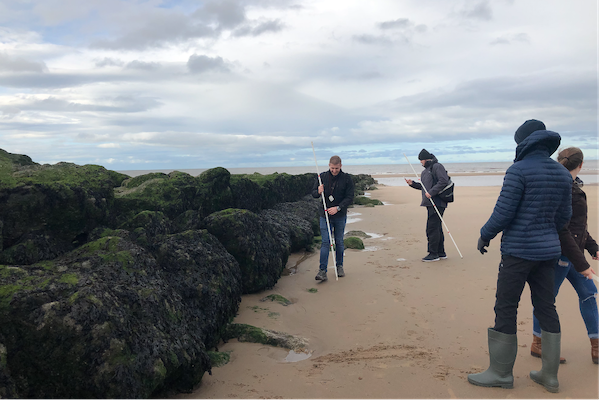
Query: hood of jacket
{"points": [[429, 163], [543, 143]]}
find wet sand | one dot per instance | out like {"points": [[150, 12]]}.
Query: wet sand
{"points": [[396, 327]]}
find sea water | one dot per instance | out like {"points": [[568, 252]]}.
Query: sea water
{"points": [[482, 174]]}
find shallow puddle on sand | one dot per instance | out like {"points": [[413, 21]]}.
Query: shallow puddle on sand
{"points": [[295, 357]]}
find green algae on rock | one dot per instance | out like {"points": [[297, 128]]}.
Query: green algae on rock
{"points": [[99, 321], [360, 234], [353, 242], [361, 200], [254, 243], [277, 298], [249, 333]]}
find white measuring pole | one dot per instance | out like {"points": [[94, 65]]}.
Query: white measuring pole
{"points": [[434, 206], [331, 240]]}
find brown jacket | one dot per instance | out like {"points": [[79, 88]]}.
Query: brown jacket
{"points": [[574, 238]]}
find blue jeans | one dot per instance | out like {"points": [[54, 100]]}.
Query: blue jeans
{"points": [[337, 227], [586, 290]]}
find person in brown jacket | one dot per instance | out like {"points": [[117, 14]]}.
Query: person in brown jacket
{"points": [[574, 239]]}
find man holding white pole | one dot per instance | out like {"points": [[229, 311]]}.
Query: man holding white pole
{"points": [[434, 179], [338, 190]]}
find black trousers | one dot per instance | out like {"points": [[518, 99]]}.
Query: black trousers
{"points": [[512, 275], [435, 234]]}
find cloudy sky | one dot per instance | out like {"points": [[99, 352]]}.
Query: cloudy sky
{"points": [[161, 84]]}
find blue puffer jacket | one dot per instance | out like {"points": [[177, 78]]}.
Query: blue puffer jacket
{"points": [[535, 201]]}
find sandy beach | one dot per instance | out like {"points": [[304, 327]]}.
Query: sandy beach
{"points": [[396, 327]]}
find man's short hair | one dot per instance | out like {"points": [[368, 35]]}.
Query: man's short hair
{"points": [[335, 160]]}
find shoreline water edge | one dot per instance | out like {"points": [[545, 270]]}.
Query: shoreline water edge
{"points": [[479, 174]]}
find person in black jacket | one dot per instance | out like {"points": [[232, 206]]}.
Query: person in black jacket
{"points": [[574, 239], [434, 178], [338, 188]]}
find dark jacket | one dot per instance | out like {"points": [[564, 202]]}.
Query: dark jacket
{"points": [[435, 178], [534, 203], [574, 238], [342, 189]]}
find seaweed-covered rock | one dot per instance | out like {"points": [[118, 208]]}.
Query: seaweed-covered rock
{"points": [[362, 182], [247, 194], [353, 242], [207, 277], [294, 231], [57, 204], [108, 320], [188, 220], [359, 234], [258, 247], [366, 201], [253, 334], [256, 191], [175, 193], [7, 385], [33, 247], [308, 209]]}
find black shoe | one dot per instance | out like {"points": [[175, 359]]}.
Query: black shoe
{"points": [[340, 272], [442, 256], [430, 257]]}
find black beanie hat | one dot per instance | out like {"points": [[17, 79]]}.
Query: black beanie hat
{"points": [[425, 155], [528, 128]]}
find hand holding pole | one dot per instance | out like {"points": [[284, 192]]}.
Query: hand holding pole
{"points": [[331, 240], [434, 206]]}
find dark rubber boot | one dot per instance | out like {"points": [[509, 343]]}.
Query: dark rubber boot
{"points": [[503, 352], [548, 375], [536, 349]]}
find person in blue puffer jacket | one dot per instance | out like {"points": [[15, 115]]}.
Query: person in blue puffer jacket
{"points": [[533, 206]]}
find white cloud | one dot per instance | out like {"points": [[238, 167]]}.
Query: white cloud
{"points": [[190, 84]]}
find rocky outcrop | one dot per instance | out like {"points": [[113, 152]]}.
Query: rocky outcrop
{"points": [[308, 209], [111, 319], [174, 194], [363, 182], [260, 249], [47, 210], [256, 192], [113, 286], [7, 384]]}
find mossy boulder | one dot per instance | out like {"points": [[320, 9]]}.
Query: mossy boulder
{"points": [[54, 204], [366, 201], [258, 247], [359, 234], [219, 358], [207, 277], [110, 320], [256, 191], [353, 242], [292, 230], [253, 334], [308, 208], [362, 182], [175, 193], [7, 384]]}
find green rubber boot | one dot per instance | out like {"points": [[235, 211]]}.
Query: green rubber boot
{"points": [[503, 352], [548, 375]]}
